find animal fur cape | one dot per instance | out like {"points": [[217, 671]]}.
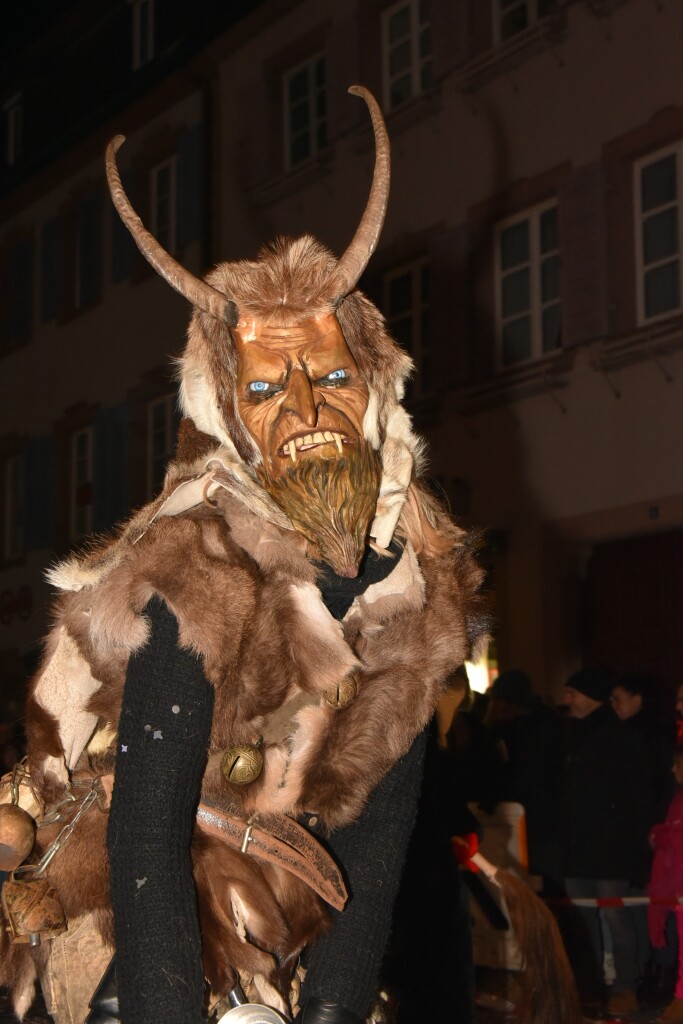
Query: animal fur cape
{"points": [[243, 590]]}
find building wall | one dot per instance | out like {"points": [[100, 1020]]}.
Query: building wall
{"points": [[553, 455]]}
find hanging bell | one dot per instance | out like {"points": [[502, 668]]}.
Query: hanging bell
{"points": [[17, 836], [242, 763], [343, 693]]}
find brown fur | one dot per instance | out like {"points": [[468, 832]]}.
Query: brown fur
{"points": [[548, 992], [245, 602], [331, 502]]}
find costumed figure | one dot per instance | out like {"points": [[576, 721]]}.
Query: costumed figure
{"points": [[237, 682]]}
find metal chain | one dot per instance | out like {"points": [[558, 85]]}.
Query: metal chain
{"points": [[89, 798]]}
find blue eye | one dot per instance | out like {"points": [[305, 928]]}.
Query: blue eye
{"points": [[258, 385], [335, 376]]}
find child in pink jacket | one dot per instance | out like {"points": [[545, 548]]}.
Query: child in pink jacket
{"points": [[666, 885]]}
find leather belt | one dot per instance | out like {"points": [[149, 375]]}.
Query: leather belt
{"points": [[276, 839], [280, 840]]}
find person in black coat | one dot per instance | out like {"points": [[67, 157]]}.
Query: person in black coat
{"points": [[607, 806], [528, 735]]}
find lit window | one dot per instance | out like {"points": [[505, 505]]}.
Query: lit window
{"points": [[514, 16], [13, 541], [658, 188], [164, 203], [143, 32], [305, 111], [13, 129], [81, 483], [406, 306], [528, 310], [407, 51], [161, 431]]}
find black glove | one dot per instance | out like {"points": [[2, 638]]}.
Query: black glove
{"points": [[104, 1005], [317, 1011]]}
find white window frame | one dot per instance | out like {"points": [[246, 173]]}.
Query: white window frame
{"points": [[167, 402], [143, 16], [639, 218], [417, 60], [420, 340], [13, 122], [167, 236], [78, 530], [13, 539], [536, 305], [533, 19], [309, 65]]}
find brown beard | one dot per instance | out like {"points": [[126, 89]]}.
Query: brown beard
{"points": [[331, 502]]}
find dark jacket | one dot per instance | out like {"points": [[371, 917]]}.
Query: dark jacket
{"points": [[608, 799]]}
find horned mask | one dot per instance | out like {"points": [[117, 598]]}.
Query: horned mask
{"points": [[287, 363]]}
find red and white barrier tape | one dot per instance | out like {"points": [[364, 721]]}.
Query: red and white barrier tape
{"points": [[614, 901]]}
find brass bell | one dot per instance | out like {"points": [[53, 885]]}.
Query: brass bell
{"points": [[343, 693], [17, 835], [242, 763]]}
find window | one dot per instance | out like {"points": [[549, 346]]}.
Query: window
{"points": [[81, 484], [164, 203], [305, 111], [143, 32], [658, 188], [161, 431], [406, 306], [528, 286], [13, 540], [13, 129], [407, 51], [514, 16]]}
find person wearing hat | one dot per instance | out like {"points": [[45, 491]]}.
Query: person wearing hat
{"points": [[528, 735], [607, 801]]}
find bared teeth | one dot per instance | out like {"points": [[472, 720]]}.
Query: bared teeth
{"points": [[311, 441]]}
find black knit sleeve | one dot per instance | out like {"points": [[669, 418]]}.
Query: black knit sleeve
{"points": [[343, 966], [163, 738]]}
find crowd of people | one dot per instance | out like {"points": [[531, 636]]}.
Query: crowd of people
{"points": [[599, 779]]}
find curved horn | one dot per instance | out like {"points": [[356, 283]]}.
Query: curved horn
{"points": [[196, 291], [355, 259]]}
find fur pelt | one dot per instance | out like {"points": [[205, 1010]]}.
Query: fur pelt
{"points": [[247, 603]]}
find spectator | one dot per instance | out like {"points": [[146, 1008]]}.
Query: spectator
{"points": [[666, 883], [607, 800], [529, 738]]}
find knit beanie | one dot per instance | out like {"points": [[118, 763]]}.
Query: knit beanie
{"points": [[514, 687], [595, 683]]}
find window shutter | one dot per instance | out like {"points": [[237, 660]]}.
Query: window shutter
{"points": [[50, 262], [124, 251], [262, 106], [449, 261], [342, 60], [450, 35], [110, 471], [583, 247], [39, 493], [190, 184], [89, 250], [22, 290]]}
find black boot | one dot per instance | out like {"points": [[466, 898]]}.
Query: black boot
{"points": [[104, 1005], [317, 1011]]}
